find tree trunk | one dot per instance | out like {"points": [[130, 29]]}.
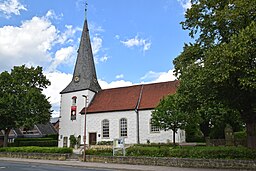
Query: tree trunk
{"points": [[251, 134], [173, 137], [6, 135]]}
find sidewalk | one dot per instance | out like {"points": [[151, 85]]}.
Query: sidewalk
{"points": [[107, 166]]}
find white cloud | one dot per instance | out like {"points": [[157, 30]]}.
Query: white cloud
{"points": [[96, 44], [53, 15], [58, 82], [152, 76], [62, 56], [104, 58], [68, 35], [94, 28], [117, 37], [138, 42], [186, 4], [166, 76], [9, 7], [113, 84], [28, 43], [120, 76]]}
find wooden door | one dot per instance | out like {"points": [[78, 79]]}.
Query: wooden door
{"points": [[92, 138]]}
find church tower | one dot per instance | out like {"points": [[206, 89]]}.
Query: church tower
{"points": [[83, 83]]}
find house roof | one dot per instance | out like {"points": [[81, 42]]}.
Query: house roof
{"points": [[144, 96], [46, 129]]}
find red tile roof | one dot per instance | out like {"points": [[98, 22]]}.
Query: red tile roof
{"points": [[145, 96], [153, 93]]}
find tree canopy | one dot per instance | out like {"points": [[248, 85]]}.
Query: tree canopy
{"points": [[217, 72], [167, 115], [21, 100]]}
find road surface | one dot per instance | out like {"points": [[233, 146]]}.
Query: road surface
{"points": [[10, 164], [13, 166]]}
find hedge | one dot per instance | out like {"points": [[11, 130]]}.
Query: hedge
{"points": [[31, 139], [99, 152], [37, 149], [41, 142], [194, 152]]}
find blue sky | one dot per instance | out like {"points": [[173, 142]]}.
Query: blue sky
{"points": [[134, 41]]}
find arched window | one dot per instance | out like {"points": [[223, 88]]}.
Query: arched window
{"points": [[73, 108], [153, 128], [105, 128], [123, 127], [74, 100]]}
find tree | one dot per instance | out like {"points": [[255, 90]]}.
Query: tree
{"points": [[217, 71], [21, 100], [167, 116]]}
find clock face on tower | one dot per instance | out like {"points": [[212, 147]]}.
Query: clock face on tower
{"points": [[76, 79]]}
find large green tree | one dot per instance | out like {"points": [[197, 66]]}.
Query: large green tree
{"points": [[217, 72], [21, 100], [167, 115]]}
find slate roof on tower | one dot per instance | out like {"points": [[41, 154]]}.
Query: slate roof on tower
{"points": [[84, 76], [137, 97]]}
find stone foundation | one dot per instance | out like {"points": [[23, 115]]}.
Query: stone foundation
{"points": [[43, 156], [177, 162]]}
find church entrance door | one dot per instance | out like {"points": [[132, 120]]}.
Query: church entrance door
{"points": [[92, 138]]}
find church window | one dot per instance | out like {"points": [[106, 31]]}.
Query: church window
{"points": [[74, 100], [105, 128], [123, 127], [73, 108], [154, 128]]}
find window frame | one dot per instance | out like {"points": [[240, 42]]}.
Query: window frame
{"points": [[104, 121], [153, 128], [123, 127]]}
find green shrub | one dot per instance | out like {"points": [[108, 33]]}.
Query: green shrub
{"points": [[193, 152], [36, 149], [159, 145], [73, 141], [101, 152], [52, 136], [214, 152], [148, 151], [50, 143], [16, 140], [41, 142], [240, 135], [105, 143]]}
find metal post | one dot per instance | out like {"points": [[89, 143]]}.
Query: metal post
{"points": [[85, 107]]}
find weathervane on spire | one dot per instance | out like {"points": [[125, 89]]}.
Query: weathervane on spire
{"points": [[86, 5]]}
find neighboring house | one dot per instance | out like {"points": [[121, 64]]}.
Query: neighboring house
{"points": [[39, 130], [111, 113], [55, 122]]}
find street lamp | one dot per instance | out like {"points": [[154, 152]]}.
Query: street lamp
{"points": [[85, 107]]}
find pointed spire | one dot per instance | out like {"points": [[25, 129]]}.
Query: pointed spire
{"points": [[84, 76], [85, 9]]}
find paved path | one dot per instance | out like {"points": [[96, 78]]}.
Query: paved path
{"points": [[108, 166]]}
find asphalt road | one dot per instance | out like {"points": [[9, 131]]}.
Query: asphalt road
{"points": [[13, 166], [41, 165]]}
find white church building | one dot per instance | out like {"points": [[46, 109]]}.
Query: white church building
{"points": [[123, 112]]}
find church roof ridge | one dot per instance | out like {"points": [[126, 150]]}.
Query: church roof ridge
{"points": [[140, 84]]}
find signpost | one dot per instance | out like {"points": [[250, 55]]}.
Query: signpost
{"points": [[118, 144]]}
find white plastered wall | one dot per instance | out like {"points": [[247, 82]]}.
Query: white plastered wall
{"points": [[72, 127]]}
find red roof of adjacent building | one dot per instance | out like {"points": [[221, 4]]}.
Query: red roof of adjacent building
{"points": [[144, 96]]}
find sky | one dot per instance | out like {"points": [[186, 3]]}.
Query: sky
{"points": [[133, 41]]}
